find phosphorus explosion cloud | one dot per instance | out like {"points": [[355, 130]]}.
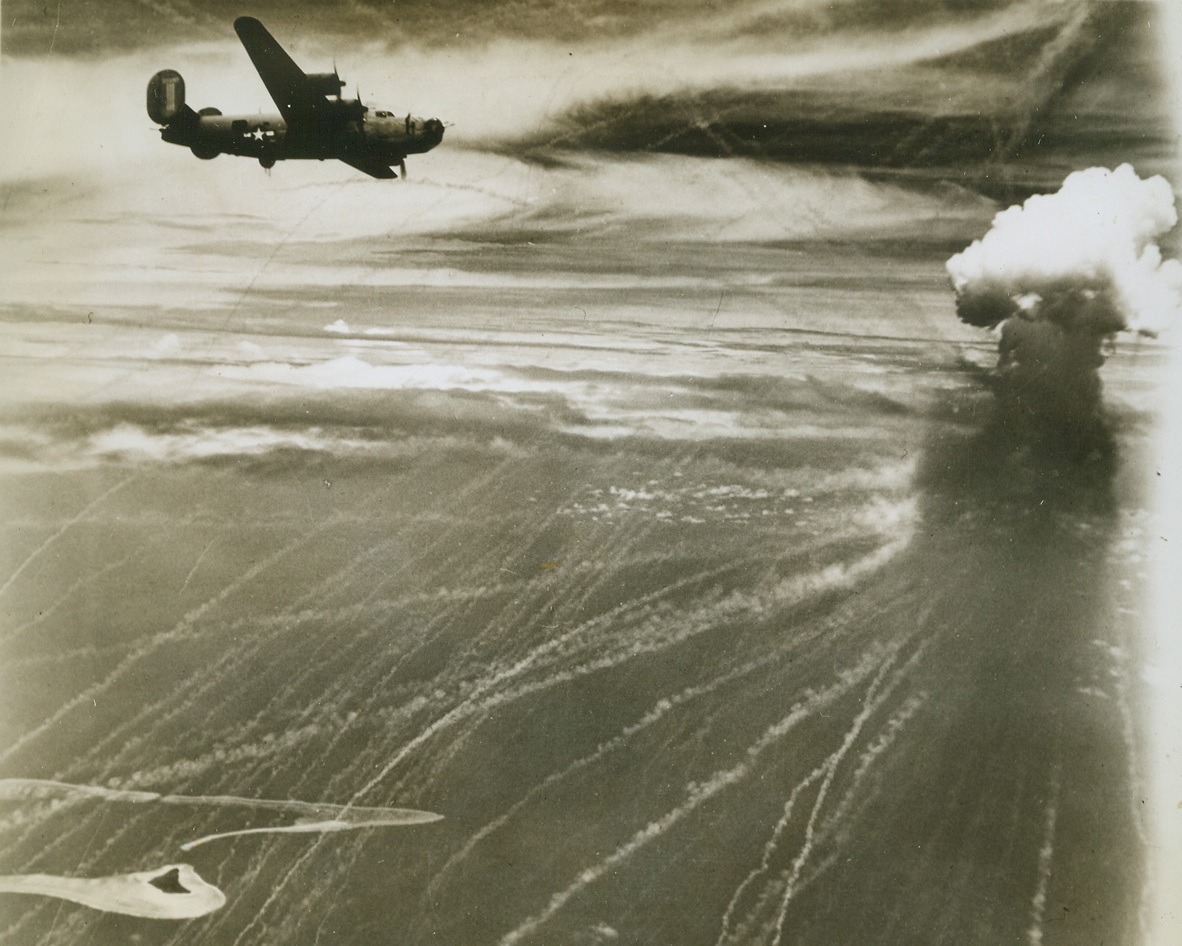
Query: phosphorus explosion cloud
{"points": [[1061, 275]]}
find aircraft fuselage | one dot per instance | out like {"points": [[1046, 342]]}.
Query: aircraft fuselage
{"points": [[364, 132]]}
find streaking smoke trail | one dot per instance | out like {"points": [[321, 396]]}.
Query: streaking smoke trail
{"points": [[1061, 275], [62, 530], [313, 817], [172, 892], [698, 793], [407, 816]]}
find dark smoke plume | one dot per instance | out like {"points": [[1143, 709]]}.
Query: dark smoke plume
{"points": [[1059, 277]]}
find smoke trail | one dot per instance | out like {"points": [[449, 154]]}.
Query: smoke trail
{"points": [[1061, 275], [173, 892], [62, 530], [313, 817], [149, 646], [397, 817], [698, 793], [1038, 904]]}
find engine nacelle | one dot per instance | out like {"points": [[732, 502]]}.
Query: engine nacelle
{"points": [[166, 96], [325, 83]]}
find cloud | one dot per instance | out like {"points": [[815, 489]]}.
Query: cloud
{"points": [[68, 30], [194, 443], [1096, 235], [1060, 275], [505, 85], [351, 372]]}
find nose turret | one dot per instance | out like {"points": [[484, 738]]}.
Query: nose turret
{"points": [[430, 130]]}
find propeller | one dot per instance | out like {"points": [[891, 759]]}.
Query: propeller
{"points": [[336, 78]]}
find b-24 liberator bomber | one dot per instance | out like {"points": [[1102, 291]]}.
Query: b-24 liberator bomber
{"points": [[314, 121]]}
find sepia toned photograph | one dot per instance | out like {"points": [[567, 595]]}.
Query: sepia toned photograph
{"points": [[578, 473]]}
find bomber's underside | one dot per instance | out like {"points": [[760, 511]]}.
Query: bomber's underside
{"points": [[271, 139]]}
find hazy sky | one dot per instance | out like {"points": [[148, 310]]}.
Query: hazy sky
{"points": [[73, 26], [838, 120], [917, 83]]}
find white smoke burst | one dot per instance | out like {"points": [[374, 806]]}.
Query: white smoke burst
{"points": [[1061, 275], [1093, 238]]}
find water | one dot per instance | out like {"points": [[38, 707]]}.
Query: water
{"points": [[696, 624]]}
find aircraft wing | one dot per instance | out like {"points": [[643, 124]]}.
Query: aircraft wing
{"points": [[371, 166], [287, 82]]}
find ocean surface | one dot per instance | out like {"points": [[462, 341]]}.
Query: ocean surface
{"points": [[697, 586]]}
